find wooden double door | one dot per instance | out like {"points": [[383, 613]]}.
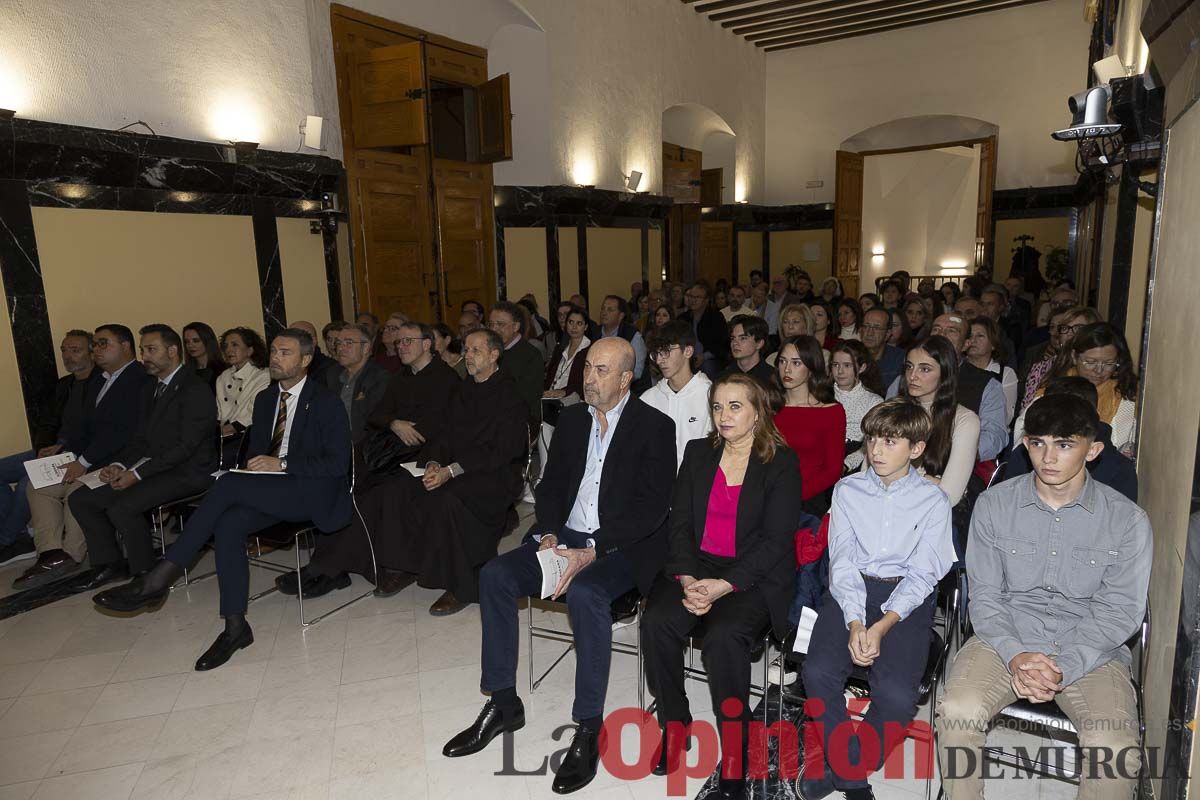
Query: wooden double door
{"points": [[422, 227]]}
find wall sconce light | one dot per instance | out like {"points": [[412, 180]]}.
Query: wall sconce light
{"points": [[583, 170], [877, 251], [954, 266], [633, 180], [311, 130]]}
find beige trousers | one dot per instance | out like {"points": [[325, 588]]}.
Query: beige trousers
{"points": [[54, 526], [1101, 705]]}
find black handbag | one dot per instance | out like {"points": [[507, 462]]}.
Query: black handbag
{"points": [[384, 453]]}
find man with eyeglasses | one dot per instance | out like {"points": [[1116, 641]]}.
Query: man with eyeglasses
{"points": [[109, 416], [1040, 358], [389, 359], [874, 333], [682, 394], [360, 382], [520, 359], [709, 326]]}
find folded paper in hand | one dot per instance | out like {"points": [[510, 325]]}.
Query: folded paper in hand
{"points": [[413, 469], [808, 618], [92, 480], [47, 471], [553, 566]]}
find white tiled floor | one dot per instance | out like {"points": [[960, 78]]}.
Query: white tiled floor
{"points": [[355, 707]]}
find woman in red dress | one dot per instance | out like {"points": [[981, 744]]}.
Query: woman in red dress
{"points": [[812, 422]]}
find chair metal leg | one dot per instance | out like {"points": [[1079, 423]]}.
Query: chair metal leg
{"points": [[529, 627], [641, 675]]}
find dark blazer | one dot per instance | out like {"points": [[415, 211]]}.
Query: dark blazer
{"points": [[318, 452], [575, 378], [713, 333], [368, 391], [767, 517], [177, 432], [524, 363], [635, 484], [106, 428]]}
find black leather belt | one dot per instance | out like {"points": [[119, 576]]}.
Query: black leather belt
{"points": [[877, 579]]}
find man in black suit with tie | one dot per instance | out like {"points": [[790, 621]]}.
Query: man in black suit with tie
{"points": [[171, 455], [603, 504], [300, 437]]}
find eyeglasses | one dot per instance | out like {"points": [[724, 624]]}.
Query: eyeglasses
{"points": [[665, 352], [695, 296], [407, 340], [869, 327], [1068, 328], [346, 342], [1098, 366]]}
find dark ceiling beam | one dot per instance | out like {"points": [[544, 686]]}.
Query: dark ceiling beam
{"points": [[709, 6], [805, 41], [895, 12], [764, 21], [777, 5]]}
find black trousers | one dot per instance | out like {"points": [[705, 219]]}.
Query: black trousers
{"points": [[104, 512], [507, 578], [237, 506], [894, 678], [731, 629]]}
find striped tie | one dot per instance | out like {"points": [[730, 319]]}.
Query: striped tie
{"points": [[280, 424]]}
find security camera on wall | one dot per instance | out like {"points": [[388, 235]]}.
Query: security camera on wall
{"points": [[1089, 116]]}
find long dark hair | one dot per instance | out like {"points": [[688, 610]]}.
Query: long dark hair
{"points": [[945, 404], [870, 377], [834, 328], [820, 385], [258, 350], [211, 346], [855, 309], [1100, 334]]}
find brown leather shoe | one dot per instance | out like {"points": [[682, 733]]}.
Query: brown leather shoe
{"points": [[51, 566], [392, 582], [446, 605]]}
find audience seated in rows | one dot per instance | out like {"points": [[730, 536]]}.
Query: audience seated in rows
{"points": [[984, 350], [712, 334], [729, 571], [614, 321], [1059, 566], [360, 382], [883, 577], [1039, 361], [874, 332], [603, 506], [171, 455], [59, 428], [811, 421], [738, 304], [300, 429], [683, 393], [440, 528]]}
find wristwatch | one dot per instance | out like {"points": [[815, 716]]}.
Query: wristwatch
{"points": [[283, 464]]}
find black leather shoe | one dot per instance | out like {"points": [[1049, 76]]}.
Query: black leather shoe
{"points": [[488, 725], [815, 788], [287, 582], [731, 789], [100, 576], [131, 597], [223, 649], [579, 764], [319, 585], [661, 767]]}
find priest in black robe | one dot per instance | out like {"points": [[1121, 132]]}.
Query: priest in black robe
{"points": [[441, 528]]}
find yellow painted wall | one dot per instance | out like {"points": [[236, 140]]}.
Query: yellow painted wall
{"points": [[14, 427], [135, 268], [302, 258], [568, 262], [656, 258], [750, 254], [788, 247], [614, 262], [525, 264], [1170, 410], [1048, 232]]}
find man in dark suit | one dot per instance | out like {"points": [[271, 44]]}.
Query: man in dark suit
{"points": [[172, 455], [108, 420], [301, 438], [710, 328], [360, 381], [603, 505], [521, 359]]}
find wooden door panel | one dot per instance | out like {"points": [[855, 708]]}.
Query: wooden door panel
{"points": [[494, 112], [983, 209], [387, 86], [453, 66], [847, 220], [681, 173], [716, 251], [464, 200], [712, 182]]}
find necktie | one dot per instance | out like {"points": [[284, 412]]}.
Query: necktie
{"points": [[280, 424], [158, 390]]}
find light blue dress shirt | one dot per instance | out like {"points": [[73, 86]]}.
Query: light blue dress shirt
{"points": [[585, 514], [898, 531]]}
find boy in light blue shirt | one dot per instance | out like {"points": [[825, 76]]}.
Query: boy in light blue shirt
{"points": [[890, 543]]}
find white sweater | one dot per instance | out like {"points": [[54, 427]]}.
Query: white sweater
{"points": [[857, 402], [688, 408]]}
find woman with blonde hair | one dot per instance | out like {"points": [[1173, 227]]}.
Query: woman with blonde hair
{"points": [[794, 320]]}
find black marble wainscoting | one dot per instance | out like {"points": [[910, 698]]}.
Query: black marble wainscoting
{"points": [[552, 207], [46, 164], [764, 220]]}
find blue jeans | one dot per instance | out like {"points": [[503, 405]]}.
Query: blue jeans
{"points": [[14, 505]]}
